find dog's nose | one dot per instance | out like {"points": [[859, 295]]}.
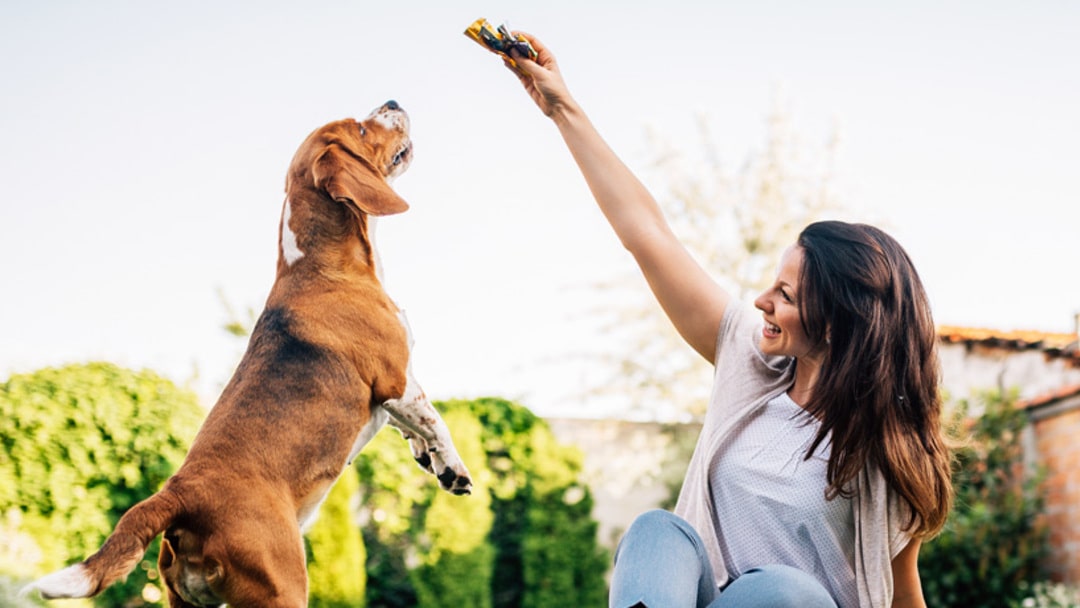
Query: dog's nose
{"points": [[392, 105]]}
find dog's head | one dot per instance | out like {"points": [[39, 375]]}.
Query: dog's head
{"points": [[354, 161]]}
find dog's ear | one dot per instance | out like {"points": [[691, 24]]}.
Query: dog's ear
{"points": [[345, 177], [166, 555]]}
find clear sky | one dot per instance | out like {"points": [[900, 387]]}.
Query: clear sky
{"points": [[143, 147]]}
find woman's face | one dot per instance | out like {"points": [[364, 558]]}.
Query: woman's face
{"points": [[783, 333]]}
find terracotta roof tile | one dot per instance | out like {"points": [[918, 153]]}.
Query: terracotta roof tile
{"points": [[1054, 345], [1056, 395], [1017, 338]]}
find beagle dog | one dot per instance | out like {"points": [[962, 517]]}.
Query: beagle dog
{"points": [[326, 367]]}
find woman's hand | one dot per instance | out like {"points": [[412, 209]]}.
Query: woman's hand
{"points": [[541, 78]]}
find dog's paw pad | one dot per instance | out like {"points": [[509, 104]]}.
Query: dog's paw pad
{"points": [[462, 487], [454, 483], [447, 478], [425, 462]]}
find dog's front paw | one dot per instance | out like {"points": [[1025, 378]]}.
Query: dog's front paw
{"points": [[424, 460], [421, 454], [454, 482], [430, 443]]}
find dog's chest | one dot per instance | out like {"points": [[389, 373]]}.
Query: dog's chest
{"points": [[376, 259], [376, 421]]}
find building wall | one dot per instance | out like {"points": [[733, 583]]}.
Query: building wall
{"points": [[630, 467], [967, 368], [1057, 443]]}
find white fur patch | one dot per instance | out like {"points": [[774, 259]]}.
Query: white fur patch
{"points": [[366, 434], [391, 121], [289, 249], [408, 332], [72, 581], [372, 223]]}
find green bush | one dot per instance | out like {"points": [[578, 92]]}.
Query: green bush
{"points": [[544, 534], [993, 542], [336, 555], [394, 495], [1050, 595], [540, 547], [81, 445], [456, 558]]}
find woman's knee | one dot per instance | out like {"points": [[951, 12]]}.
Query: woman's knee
{"points": [[658, 528], [653, 519], [776, 586], [660, 562], [660, 522]]}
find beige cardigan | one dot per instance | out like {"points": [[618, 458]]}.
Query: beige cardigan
{"points": [[746, 379]]}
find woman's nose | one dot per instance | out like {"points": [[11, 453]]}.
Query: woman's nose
{"points": [[762, 303]]}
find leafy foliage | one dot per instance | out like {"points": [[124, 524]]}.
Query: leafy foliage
{"points": [[456, 558], [336, 554], [993, 543], [545, 537], [81, 445], [538, 518], [394, 493], [1050, 595]]}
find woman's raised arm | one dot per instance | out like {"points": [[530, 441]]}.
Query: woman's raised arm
{"points": [[689, 296]]}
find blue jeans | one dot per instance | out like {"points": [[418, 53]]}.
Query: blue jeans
{"points": [[661, 563]]}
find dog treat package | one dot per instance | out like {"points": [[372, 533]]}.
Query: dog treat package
{"points": [[500, 40]]}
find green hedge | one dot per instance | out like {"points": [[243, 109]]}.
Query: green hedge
{"points": [[79, 446], [540, 541], [991, 550]]}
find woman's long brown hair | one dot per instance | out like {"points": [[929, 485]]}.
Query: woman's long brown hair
{"points": [[877, 391]]}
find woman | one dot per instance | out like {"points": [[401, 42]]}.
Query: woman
{"points": [[821, 465]]}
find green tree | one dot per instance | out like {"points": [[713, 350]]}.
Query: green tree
{"points": [[562, 563], [544, 534], [80, 445], [394, 495], [456, 558], [336, 562], [539, 519], [990, 551]]}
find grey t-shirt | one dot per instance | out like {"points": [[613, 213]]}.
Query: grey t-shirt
{"points": [[770, 501]]}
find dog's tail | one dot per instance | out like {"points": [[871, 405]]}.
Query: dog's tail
{"points": [[117, 557]]}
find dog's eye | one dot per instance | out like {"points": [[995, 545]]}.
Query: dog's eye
{"points": [[363, 131]]}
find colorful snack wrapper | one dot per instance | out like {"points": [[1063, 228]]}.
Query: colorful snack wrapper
{"points": [[500, 40]]}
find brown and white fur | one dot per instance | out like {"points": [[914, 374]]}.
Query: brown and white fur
{"points": [[326, 366]]}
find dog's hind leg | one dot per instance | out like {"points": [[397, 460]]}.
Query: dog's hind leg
{"points": [[267, 562]]}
